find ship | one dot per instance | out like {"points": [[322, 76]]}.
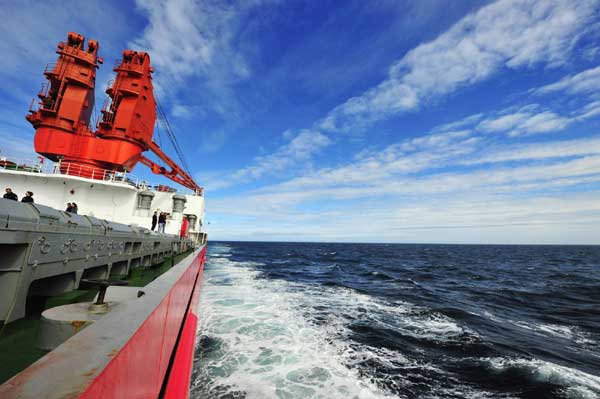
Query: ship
{"points": [[100, 270]]}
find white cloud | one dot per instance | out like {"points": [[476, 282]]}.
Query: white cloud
{"points": [[587, 81], [589, 111], [466, 122], [388, 98], [475, 218], [526, 204], [419, 189], [299, 150], [504, 122], [532, 119], [183, 37], [543, 122], [539, 151], [528, 120], [186, 111], [443, 147], [505, 34], [406, 157], [190, 39], [330, 185], [305, 144], [434, 140]]}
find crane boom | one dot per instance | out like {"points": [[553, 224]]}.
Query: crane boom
{"points": [[125, 131]]}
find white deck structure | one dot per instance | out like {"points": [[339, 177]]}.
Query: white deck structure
{"points": [[108, 195]]}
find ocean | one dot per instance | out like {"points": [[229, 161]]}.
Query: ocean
{"points": [[306, 320]]}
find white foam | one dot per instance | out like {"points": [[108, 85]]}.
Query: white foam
{"points": [[577, 384], [464, 392], [269, 348], [572, 333], [278, 339]]}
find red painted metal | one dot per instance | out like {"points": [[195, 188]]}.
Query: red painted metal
{"points": [[178, 385], [139, 368], [183, 231], [62, 121]]}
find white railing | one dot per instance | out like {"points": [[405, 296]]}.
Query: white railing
{"points": [[88, 172]]}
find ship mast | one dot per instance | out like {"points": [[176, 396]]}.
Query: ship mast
{"points": [[125, 131]]}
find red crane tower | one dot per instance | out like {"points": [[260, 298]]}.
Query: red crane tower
{"points": [[125, 131]]}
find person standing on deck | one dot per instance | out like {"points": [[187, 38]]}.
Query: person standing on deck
{"points": [[162, 220], [28, 197], [154, 221], [10, 195]]}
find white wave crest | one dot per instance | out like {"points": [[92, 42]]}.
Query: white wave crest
{"points": [[268, 348], [577, 384], [279, 339]]}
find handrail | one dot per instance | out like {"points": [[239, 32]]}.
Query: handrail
{"points": [[89, 172]]}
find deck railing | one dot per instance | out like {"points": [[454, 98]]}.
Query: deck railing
{"points": [[46, 166]]}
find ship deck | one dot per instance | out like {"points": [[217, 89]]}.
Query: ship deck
{"points": [[18, 339]]}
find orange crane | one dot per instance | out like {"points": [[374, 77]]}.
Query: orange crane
{"points": [[62, 119]]}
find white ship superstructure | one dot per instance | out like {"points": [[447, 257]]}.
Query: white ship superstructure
{"points": [[114, 196]]}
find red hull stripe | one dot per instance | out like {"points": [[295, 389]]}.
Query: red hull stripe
{"points": [[178, 385], [179, 380], [139, 367]]}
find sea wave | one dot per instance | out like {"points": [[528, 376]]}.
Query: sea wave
{"points": [[268, 348], [296, 320], [284, 339], [575, 384]]}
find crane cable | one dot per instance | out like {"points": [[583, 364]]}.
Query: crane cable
{"points": [[162, 116], [158, 135]]}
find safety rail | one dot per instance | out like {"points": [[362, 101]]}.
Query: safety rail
{"points": [[89, 172], [50, 68], [45, 102], [44, 88], [119, 64]]}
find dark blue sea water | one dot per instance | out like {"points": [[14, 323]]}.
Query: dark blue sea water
{"points": [[298, 320]]}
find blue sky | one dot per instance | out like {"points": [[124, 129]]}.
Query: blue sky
{"points": [[360, 121]]}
